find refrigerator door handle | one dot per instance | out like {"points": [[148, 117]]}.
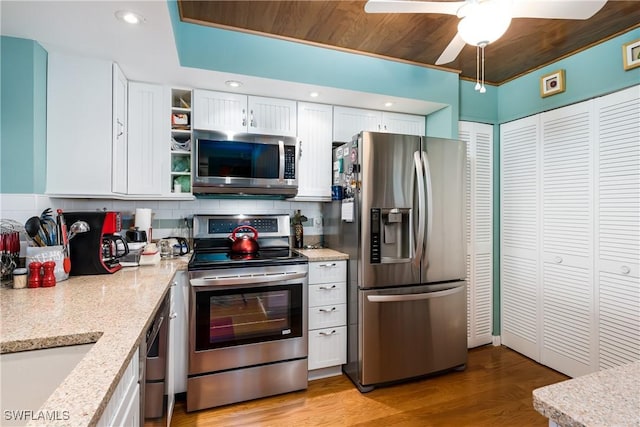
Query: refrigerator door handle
{"points": [[427, 174], [421, 209], [414, 297]]}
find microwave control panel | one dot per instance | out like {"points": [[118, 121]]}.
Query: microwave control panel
{"points": [[289, 162]]}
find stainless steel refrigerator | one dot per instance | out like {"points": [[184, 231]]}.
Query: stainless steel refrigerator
{"points": [[401, 220]]}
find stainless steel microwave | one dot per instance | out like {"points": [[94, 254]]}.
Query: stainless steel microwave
{"points": [[245, 164]]}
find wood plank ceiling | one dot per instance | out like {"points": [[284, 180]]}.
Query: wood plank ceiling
{"points": [[417, 38]]}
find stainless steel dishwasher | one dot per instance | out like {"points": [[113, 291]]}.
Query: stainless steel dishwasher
{"points": [[153, 364]]}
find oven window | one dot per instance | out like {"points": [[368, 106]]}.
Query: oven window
{"points": [[238, 159], [249, 315]]}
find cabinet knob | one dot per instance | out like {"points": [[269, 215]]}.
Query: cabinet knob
{"points": [[326, 334], [328, 288], [625, 270], [252, 122], [244, 117], [324, 310], [557, 260], [173, 315]]}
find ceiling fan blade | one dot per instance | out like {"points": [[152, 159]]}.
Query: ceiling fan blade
{"points": [[452, 51], [556, 9], [408, 6]]}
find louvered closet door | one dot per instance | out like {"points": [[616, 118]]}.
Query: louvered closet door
{"points": [[479, 140], [519, 235], [618, 227], [568, 316]]}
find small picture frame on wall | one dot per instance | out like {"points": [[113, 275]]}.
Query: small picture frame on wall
{"points": [[631, 54], [552, 83]]}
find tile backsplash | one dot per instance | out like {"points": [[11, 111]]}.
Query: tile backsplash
{"points": [[168, 216]]}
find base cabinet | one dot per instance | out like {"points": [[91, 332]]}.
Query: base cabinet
{"points": [[327, 318], [123, 408]]}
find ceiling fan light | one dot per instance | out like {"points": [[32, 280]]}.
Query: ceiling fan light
{"points": [[486, 24]]}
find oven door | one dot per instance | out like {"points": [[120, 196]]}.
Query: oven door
{"points": [[247, 318]]}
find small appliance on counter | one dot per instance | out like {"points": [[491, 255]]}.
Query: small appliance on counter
{"points": [[99, 250]]}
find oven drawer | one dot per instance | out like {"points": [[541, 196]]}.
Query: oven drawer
{"points": [[327, 272], [327, 294], [327, 347], [327, 316]]}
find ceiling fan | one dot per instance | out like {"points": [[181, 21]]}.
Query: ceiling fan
{"points": [[484, 21]]}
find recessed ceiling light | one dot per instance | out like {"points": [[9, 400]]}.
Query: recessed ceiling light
{"points": [[388, 104], [233, 83], [130, 17], [314, 94]]}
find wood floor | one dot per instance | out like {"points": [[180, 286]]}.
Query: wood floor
{"points": [[494, 390]]}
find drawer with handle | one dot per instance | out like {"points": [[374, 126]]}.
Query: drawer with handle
{"points": [[327, 294], [327, 272], [327, 347], [327, 316]]}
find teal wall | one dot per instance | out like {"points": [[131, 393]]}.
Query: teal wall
{"points": [[23, 134], [237, 52], [593, 72]]}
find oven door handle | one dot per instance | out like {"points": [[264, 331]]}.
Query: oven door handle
{"points": [[245, 280]]}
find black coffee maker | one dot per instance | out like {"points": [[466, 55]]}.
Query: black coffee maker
{"points": [[98, 250]]}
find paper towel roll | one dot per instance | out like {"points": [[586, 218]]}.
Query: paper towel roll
{"points": [[143, 221]]}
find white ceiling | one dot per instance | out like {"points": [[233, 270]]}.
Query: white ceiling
{"points": [[147, 52]]}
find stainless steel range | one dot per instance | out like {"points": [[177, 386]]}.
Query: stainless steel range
{"points": [[247, 319]]}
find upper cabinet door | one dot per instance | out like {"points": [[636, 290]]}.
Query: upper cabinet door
{"points": [[314, 164], [119, 175], [347, 122], [406, 124], [271, 116], [79, 125], [220, 111], [146, 138]]}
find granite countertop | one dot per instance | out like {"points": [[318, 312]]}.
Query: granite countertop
{"points": [[610, 397], [112, 310], [322, 254]]}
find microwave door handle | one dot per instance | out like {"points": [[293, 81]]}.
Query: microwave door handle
{"points": [[421, 209], [427, 175], [245, 280], [281, 160]]}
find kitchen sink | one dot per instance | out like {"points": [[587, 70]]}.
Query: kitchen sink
{"points": [[29, 378]]}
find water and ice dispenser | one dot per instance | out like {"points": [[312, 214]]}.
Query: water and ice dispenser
{"points": [[390, 235]]}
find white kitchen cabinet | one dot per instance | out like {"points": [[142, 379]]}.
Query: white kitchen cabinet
{"points": [[479, 217], [349, 121], [119, 178], [178, 340], [327, 318], [123, 409], [79, 125], [235, 113], [314, 164], [405, 124], [617, 219], [178, 333], [221, 111], [570, 234], [146, 136], [272, 116]]}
